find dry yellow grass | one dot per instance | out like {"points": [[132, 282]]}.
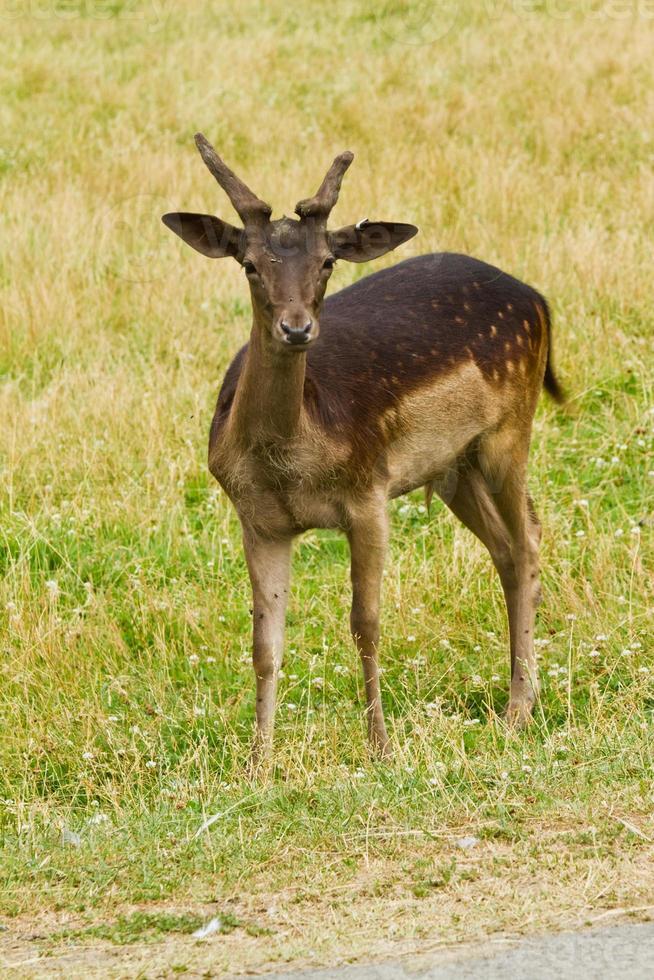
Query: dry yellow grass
{"points": [[522, 134]]}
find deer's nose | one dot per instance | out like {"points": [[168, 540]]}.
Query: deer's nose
{"points": [[297, 335]]}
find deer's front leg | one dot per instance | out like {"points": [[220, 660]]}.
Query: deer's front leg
{"points": [[269, 564], [368, 537]]}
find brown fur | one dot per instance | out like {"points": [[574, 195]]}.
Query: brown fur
{"points": [[392, 399], [364, 374], [424, 374]]}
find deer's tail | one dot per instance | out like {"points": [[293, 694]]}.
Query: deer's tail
{"points": [[550, 381]]}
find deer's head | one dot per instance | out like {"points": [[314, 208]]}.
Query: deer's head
{"points": [[287, 262]]}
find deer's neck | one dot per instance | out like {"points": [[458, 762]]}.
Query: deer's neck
{"points": [[269, 398]]}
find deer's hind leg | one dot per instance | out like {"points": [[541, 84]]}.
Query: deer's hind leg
{"points": [[503, 462], [471, 498]]}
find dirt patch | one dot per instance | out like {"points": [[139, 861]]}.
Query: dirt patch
{"points": [[498, 893]]}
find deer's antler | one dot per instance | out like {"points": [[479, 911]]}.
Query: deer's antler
{"points": [[250, 208], [324, 200]]}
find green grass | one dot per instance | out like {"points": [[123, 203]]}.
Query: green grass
{"points": [[126, 694], [137, 927]]}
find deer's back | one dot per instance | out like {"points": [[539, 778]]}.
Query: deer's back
{"points": [[431, 330]]}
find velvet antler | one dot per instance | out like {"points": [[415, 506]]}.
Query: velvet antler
{"points": [[250, 208], [324, 200]]}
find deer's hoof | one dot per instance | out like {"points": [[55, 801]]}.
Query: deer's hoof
{"points": [[260, 762], [381, 748], [519, 714]]}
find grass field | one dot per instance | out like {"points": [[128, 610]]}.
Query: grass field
{"points": [[520, 133]]}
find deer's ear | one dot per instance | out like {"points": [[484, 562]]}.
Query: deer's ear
{"points": [[369, 239], [207, 234]]}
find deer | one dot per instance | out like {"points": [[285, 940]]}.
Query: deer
{"points": [[424, 374]]}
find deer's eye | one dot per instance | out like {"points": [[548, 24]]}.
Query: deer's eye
{"points": [[250, 268], [328, 263]]}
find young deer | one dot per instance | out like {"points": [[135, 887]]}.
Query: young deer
{"points": [[425, 374]]}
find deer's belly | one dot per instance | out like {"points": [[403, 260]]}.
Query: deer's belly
{"points": [[415, 462], [436, 426]]}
